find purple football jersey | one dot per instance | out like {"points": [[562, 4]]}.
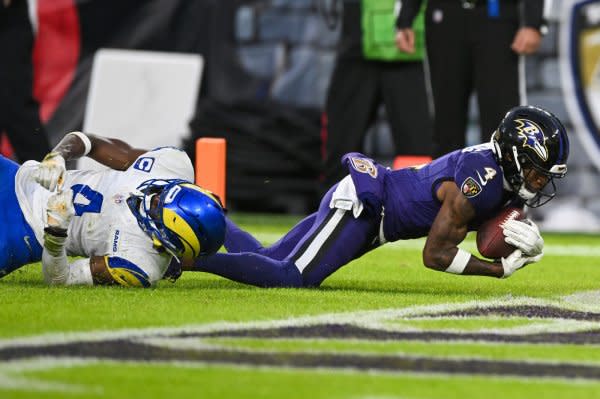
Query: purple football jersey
{"points": [[410, 198]]}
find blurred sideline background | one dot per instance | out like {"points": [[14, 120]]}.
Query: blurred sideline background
{"points": [[258, 76]]}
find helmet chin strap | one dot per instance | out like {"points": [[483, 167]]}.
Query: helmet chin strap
{"points": [[525, 193], [522, 192]]}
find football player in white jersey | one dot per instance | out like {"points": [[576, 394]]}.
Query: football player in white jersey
{"points": [[127, 222]]}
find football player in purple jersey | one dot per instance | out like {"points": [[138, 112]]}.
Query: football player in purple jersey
{"points": [[441, 200]]}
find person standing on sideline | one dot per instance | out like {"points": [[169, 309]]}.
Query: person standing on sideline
{"points": [[473, 45], [19, 111], [370, 70]]}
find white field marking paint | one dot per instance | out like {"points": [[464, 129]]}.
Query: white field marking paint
{"points": [[543, 326], [18, 383], [57, 363], [406, 354], [198, 344], [316, 244], [368, 319], [583, 297], [10, 380], [419, 243]]}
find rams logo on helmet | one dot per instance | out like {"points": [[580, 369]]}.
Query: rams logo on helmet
{"points": [[533, 137], [179, 216]]}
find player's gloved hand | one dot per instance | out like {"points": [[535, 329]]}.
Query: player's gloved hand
{"points": [[524, 235], [51, 171], [60, 211], [371, 204], [516, 261], [174, 271]]}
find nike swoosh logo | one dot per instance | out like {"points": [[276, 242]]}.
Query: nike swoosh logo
{"points": [[483, 182], [26, 239]]}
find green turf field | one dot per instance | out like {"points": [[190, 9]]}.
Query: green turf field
{"points": [[382, 327]]}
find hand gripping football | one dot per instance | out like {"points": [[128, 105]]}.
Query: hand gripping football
{"points": [[490, 238]]}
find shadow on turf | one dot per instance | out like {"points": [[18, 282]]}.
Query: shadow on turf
{"points": [[365, 286], [23, 278]]}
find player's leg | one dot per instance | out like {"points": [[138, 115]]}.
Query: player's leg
{"points": [[450, 73], [263, 267], [404, 88], [351, 106], [335, 238], [494, 57], [20, 111], [250, 268], [238, 240], [18, 245]]}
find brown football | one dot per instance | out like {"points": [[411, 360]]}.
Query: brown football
{"points": [[490, 238]]}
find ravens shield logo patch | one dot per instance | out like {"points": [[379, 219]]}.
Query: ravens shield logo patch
{"points": [[470, 188]]}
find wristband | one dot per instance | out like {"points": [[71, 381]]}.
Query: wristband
{"points": [[56, 231], [459, 262], [54, 244], [86, 142]]}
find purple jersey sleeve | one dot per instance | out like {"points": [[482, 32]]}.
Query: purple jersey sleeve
{"points": [[479, 179]]}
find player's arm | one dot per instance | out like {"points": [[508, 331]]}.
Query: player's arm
{"points": [[114, 153], [450, 228], [89, 271], [405, 35], [99, 270], [55, 266]]}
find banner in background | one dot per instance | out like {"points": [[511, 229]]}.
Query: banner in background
{"points": [[71, 31], [580, 70]]}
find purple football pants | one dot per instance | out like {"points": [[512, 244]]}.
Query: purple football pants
{"points": [[312, 250]]}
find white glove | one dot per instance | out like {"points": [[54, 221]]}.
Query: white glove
{"points": [[60, 210], [524, 235], [516, 261], [51, 171]]}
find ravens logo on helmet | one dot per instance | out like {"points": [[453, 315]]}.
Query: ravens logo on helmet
{"points": [[531, 137]]}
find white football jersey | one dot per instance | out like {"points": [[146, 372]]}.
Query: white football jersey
{"points": [[103, 224]]}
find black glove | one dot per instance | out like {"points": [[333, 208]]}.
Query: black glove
{"points": [[173, 271]]}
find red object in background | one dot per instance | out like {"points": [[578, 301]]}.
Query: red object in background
{"points": [[55, 57], [5, 147], [55, 53], [403, 161]]}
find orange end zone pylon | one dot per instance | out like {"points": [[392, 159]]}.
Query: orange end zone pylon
{"points": [[403, 161], [211, 165]]}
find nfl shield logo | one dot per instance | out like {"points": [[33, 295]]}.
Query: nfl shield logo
{"points": [[580, 70]]}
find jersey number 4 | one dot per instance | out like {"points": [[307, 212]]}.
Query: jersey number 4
{"points": [[85, 199]]}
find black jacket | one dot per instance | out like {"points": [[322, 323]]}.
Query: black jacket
{"points": [[533, 12]]}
